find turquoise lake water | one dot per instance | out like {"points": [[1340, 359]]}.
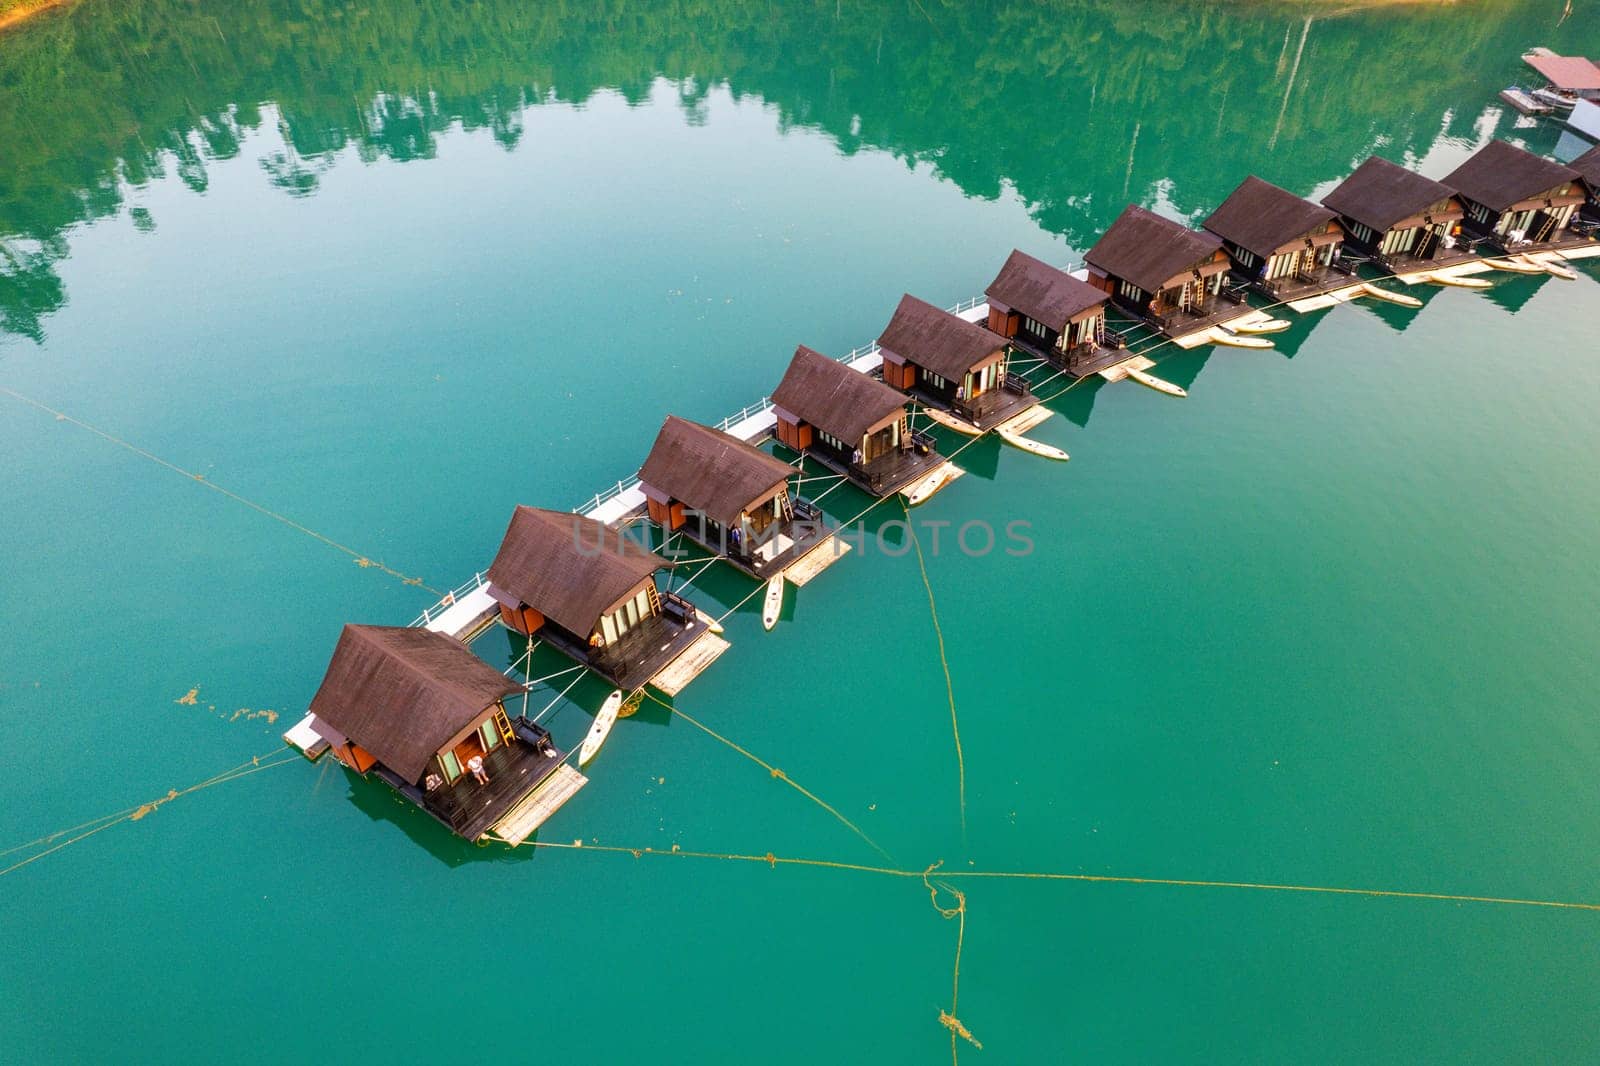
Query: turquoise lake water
{"points": [[389, 269]]}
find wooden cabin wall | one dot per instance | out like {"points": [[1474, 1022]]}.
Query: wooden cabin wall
{"points": [[899, 376], [524, 620], [669, 515], [796, 435], [1005, 323], [356, 757]]}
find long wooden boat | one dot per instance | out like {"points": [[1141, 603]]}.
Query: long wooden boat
{"points": [[1224, 336], [1259, 325], [773, 605], [1379, 293], [1516, 266], [1017, 440], [949, 421], [1150, 381], [1460, 281], [601, 727]]}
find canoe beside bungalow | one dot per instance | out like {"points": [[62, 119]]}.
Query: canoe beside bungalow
{"points": [[1404, 221], [1519, 202], [850, 423], [952, 365], [414, 708], [1165, 273], [1048, 312], [1282, 245], [730, 497], [590, 592]]}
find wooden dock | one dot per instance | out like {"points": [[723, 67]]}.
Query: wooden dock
{"points": [[690, 665], [519, 823], [816, 561], [1120, 371], [1021, 423]]}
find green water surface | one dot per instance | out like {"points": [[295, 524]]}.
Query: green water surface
{"points": [[390, 268]]}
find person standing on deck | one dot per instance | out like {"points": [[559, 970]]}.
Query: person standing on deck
{"points": [[475, 764]]}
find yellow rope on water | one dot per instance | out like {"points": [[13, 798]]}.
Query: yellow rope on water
{"points": [[944, 662], [256, 764], [948, 1018], [361, 560], [774, 861], [775, 772]]}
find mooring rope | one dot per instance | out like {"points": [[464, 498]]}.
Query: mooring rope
{"points": [[133, 814], [948, 1019], [944, 663], [361, 560], [775, 772]]}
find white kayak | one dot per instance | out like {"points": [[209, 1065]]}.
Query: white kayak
{"points": [[601, 728], [1259, 325], [1556, 270], [1017, 440], [1223, 335], [1400, 298], [1152, 382], [711, 623], [1516, 266], [949, 421], [924, 489], [774, 603], [1460, 281]]}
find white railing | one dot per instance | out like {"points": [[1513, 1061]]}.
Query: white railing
{"points": [[448, 600], [594, 503]]}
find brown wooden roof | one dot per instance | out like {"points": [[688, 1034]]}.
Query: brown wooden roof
{"points": [[933, 338], [1380, 194], [1499, 175], [403, 693], [1587, 166], [1149, 250], [1261, 218], [569, 568], [710, 471], [1041, 291], [842, 402]]}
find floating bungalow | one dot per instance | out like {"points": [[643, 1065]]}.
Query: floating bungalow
{"points": [[850, 423], [1165, 273], [951, 365], [1568, 79], [590, 592], [1283, 245], [1588, 167], [1517, 201], [413, 708], [1050, 313], [728, 496], [1406, 222]]}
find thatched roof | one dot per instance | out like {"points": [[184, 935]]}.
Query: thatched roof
{"points": [[403, 693], [1261, 218], [710, 471], [569, 568], [935, 339], [1499, 175], [1148, 250], [1041, 291], [841, 402], [1588, 167], [1380, 194]]}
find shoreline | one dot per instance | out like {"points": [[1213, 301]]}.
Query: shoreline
{"points": [[26, 10]]}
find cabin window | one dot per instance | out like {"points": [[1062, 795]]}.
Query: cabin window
{"points": [[1130, 290], [833, 442], [1479, 212], [1398, 240], [489, 733], [1280, 266], [1034, 326], [450, 765], [935, 380], [1247, 258], [1364, 233]]}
